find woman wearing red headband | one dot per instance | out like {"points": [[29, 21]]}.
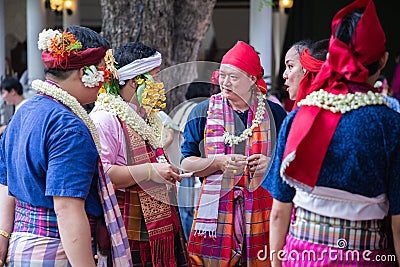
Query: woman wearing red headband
{"points": [[341, 159], [294, 71], [229, 140]]}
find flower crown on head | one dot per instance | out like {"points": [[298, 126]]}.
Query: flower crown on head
{"points": [[59, 44]]}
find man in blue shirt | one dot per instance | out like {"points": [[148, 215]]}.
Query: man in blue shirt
{"points": [[48, 157]]}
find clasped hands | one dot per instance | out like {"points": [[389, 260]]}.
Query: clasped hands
{"points": [[235, 164]]}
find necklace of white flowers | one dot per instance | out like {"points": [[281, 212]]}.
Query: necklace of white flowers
{"points": [[50, 89], [343, 102], [232, 139], [150, 131]]}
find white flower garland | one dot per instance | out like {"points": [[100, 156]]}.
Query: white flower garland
{"points": [[71, 102], [92, 77], [150, 132], [45, 37], [232, 139], [343, 102]]}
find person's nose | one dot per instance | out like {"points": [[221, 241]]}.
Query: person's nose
{"points": [[225, 81], [284, 75]]}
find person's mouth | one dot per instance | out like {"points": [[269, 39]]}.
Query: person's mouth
{"points": [[286, 87]]}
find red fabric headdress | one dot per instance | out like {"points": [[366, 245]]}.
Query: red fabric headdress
{"points": [[244, 57], [90, 56], [313, 127], [312, 67]]}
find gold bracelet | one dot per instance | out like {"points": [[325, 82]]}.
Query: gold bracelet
{"points": [[5, 234], [149, 168]]}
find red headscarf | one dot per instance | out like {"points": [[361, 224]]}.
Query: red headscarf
{"points": [[312, 67], [313, 127], [90, 56], [244, 57]]}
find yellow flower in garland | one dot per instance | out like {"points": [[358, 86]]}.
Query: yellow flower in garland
{"points": [[111, 63], [102, 90], [110, 84], [150, 93], [140, 81]]}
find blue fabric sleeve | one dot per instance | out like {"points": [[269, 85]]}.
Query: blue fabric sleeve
{"points": [[193, 133], [71, 165], [3, 169], [273, 181], [394, 182], [278, 113]]}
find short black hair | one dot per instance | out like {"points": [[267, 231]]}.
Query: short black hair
{"points": [[88, 37], [319, 49], [131, 52], [301, 45], [10, 83]]}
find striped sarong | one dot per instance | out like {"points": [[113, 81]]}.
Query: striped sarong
{"points": [[121, 255], [27, 249]]}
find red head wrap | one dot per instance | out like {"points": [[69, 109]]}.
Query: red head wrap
{"points": [[90, 56], [313, 127], [312, 67], [244, 57]]}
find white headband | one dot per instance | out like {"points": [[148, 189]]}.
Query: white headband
{"points": [[139, 66]]}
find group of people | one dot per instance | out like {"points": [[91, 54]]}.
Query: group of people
{"points": [[98, 189]]}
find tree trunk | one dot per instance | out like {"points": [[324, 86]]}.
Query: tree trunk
{"points": [[174, 27]]}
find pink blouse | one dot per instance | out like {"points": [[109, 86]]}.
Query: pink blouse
{"points": [[112, 138]]}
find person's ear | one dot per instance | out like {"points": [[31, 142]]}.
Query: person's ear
{"points": [[81, 72], [383, 60], [132, 82]]}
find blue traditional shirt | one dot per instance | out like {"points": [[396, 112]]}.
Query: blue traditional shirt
{"points": [[392, 102], [48, 151], [363, 157]]}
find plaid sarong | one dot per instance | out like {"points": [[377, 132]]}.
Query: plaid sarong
{"points": [[335, 232], [27, 249], [35, 220], [152, 202], [224, 249]]}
